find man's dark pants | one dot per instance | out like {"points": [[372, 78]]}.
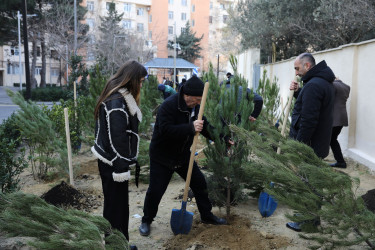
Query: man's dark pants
{"points": [[335, 146], [160, 175]]}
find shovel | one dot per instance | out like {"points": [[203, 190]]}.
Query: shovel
{"points": [[266, 203], [181, 220]]}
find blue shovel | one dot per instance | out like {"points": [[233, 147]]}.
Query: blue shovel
{"points": [[181, 220]]}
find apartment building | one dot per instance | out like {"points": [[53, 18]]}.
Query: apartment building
{"points": [[158, 21], [12, 72]]}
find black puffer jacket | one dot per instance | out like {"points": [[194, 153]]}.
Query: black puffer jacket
{"points": [[313, 110], [174, 132], [116, 131]]}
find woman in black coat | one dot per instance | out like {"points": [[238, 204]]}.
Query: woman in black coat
{"points": [[116, 140]]}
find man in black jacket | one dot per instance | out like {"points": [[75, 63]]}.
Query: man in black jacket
{"points": [[175, 127], [312, 116]]}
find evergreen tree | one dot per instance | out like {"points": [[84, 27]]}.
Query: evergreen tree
{"points": [[189, 44], [38, 131], [224, 108], [54, 228]]}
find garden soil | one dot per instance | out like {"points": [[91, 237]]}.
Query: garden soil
{"points": [[246, 229]]}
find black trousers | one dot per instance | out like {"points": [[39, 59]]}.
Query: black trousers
{"points": [[116, 199], [160, 175], [335, 145]]}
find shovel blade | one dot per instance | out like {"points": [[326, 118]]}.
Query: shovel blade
{"points": [[181, 220], [266, 204]]}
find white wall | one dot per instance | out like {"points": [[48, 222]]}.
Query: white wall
{"points": [[352, 63]]}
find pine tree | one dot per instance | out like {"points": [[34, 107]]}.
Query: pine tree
{"points": [[54, 228], [46, 151], [224, 108], [189, 44]]}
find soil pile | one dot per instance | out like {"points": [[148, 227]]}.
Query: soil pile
{"points": [[237, 235], [66, 196], [369, 199]]}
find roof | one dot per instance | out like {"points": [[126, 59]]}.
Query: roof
{"points": [[168, 63]]}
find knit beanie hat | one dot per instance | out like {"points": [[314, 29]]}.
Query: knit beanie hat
{"points": [[193, 87]]}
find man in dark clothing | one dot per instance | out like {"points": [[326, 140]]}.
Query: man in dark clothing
{"points": [[312, 116], [340, 119], [175, 127]]}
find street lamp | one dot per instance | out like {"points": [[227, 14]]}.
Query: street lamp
{"points": [[175, 46], [19, 16], [113, 49]]}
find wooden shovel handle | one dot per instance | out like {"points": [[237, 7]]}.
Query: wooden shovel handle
{"points": [[195, 141], [286, 116]]}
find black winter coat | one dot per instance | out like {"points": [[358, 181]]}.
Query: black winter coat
{"points": [[174, 132], [312, 116], [116, 131]]}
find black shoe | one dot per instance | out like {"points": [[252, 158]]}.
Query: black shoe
{"points": [[132, 247], [338, 165], [214, 220], [144, 229]]}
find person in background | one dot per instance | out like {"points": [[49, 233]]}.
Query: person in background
{"points": [[116, 145], [340, 119], [166, 90], [183, 81], [258, 100]]}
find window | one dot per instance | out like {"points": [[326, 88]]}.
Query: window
{"points": [[14, 51], [54, 54], [210, 19], [193, 8], [127, 7], [170, 14], [184, 2], [183, 30], [90, 55], [149, 34], [90, 5], [38, 69], [225, 18], [140, 27], [170, 30], [183, 16], [55, 72], [91, 39], [13, 69], [211, 5], [127, 24], [193, 22], [150, 18], [222, 6], [91, 23], [170, 1], [140, 11], [38, 51], [109, 5]]}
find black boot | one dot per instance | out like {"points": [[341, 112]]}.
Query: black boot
{"points": [[144, 229], [132, 247], [338, 165], [212, 219]]}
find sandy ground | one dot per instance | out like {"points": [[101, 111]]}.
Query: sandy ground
{"points": [[247, 229]]}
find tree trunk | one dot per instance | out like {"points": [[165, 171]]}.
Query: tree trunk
{"points": [[44, 64], [33, 63]]}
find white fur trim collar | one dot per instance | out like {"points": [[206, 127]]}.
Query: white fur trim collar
{"points": [[132, 104]]}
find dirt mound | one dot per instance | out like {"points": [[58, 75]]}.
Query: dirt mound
{"points": [[369, 199], [66, 196], [237, 235]]}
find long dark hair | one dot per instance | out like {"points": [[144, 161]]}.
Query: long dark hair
{"points": [[128, 76]]}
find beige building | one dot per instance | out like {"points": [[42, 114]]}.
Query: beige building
{"points": [[11, 72]]}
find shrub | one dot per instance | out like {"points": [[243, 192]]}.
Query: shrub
{"points": [[49, 94], [12, 162]]}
